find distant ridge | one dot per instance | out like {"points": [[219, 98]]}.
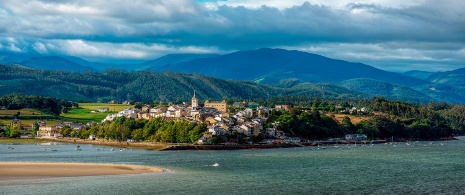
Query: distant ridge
{"points": [[272, 65], [452, 78], [55, 63], [171, 59], [418, 74]]}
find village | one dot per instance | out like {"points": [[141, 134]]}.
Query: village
{"points": [[248, 120]]}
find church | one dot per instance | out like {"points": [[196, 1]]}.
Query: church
{"points": [[219, 106]]}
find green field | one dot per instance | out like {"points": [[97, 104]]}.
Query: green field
{"points": [[23, 112], [27, 116], [82, 114], [112, 107]]}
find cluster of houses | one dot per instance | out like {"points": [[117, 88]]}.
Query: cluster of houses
{"points": [[248, 121], [54, 131]]}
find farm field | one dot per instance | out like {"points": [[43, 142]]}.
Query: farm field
{"points": [[112, 107], [23, 112], [83, 115], [29, 122], [85, 112]]}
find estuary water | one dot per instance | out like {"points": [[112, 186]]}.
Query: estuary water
{"points": [[397, 168]]}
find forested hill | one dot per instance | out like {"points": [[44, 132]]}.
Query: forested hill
{"points": [[149, 86]]}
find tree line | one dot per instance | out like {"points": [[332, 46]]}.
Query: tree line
{"points": [[156, 129], [47, 105], [387, 119]]}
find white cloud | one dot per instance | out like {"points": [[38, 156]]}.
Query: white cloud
{"points": [[283, 4], [115, 51], [404, 56], [12, 47], [378, 32], [39, 47]]}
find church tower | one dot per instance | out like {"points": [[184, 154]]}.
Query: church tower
{"points": [[195, 102]]}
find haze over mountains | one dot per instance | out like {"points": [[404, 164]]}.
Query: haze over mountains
{"points": [[293, 70]]}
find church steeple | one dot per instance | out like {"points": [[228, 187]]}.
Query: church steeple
{"points": [[195, 102]]}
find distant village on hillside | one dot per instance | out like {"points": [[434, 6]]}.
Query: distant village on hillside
{"points": [[248, 120]]}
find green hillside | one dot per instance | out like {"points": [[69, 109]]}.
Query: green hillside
{"points": [[147, 86], [384, 89]]}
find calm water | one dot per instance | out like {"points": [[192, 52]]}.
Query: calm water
{"points": [[379, 169]]}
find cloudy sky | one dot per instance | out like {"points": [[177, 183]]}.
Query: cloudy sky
{"points": [[396, 35]]}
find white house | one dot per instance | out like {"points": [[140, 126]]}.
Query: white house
{"points": [[356, 137], [104, 109]]}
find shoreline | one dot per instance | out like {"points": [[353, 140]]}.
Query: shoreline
{"points": [[138, 145], [39, 170], [171, 147]]}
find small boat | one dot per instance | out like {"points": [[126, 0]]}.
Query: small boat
{"points": [[216, 164]]}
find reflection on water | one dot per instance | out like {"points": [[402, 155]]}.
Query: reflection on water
{"points": [[400, 168]]}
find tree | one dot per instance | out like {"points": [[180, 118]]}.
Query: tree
{"points": [[14, 130], [66, 131], [138, 135], [347, 126]]}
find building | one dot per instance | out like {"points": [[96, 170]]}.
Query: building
{"points": [[282, 107], [48, 131], [357, 137], [113, 102], [195, 101], [15, 122], [143, 115], [238, 104], [252, 105], [103, 109], [220, 106]]}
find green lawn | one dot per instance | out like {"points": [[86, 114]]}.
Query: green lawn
{"points": [[112, 107], [83, 115]]}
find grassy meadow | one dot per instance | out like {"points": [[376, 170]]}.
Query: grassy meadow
{"points": [[88, 112], [113, 107], [82, 114], [23, 112], [28, 116]]}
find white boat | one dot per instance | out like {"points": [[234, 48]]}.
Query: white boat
{"points": [[216, 164]]}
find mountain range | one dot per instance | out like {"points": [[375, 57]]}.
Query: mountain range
{"points": [[285, 72]]}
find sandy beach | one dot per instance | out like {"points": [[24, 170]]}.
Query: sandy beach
{"points": [[31, 170]]}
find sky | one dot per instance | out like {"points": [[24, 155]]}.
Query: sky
{"points": [[394, 35]]}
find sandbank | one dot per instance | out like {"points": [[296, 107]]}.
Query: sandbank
{"points": [[27, 170]]}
